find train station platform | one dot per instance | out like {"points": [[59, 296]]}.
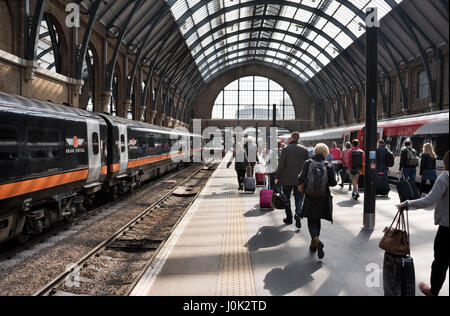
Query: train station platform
{"points": [[226, 246]]}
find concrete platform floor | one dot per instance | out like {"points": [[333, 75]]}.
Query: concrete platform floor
{"points": [[225, 245]]}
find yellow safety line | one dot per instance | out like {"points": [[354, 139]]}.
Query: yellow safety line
{"points": [[236, 277]]}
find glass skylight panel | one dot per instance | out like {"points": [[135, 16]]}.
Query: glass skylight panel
{"points": [[192, 3], [191, 39], [337, 9], [344, 40], [204, 29], [325, 61], [303, 15]]}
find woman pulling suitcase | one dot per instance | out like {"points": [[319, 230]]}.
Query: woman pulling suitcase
{"points": [[439, 195]]}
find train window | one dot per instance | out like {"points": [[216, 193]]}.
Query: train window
{"points": [[417, 143], [392, 144], [8, 144], [43, 144], [441, 144], [151, 141], [95, 144], [122, 143], [142, 142]]}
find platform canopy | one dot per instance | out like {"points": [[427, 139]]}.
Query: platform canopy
{"points": [[300, 35], [319, 42]]}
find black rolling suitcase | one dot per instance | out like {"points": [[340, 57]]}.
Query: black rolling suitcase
{"points": [[398, 275], [382, 184], [407, 190], [398, 266]]}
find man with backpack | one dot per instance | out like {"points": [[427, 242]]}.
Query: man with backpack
{"points": [[315, 180], [356, 157], [385, 160], [291, 163], [409, 161]]}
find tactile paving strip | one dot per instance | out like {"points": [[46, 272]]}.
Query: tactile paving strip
{"points": [[236, 277]]}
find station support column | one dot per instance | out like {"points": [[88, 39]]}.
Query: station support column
{"points": [[370, 137]]}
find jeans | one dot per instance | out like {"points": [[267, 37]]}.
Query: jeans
{"points": [[441, 260], [409, 173], [314, 227], [287, 189]]}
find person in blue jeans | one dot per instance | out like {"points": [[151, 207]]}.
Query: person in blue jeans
{"points": [[407, 169], [290, 165]]}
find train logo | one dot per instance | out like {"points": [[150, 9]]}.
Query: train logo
{"points": [[132, 143], [75, 142]]}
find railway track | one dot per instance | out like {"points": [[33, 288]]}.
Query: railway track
{"points": [[9, 251], [114, 266]]}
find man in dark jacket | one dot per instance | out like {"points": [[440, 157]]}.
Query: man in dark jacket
{"points": [[407, 169], [291, 163], [382, 156]]}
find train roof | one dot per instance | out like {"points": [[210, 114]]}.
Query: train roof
{"points": [[33, 105], [146, 126], [436, 122], [37, 106]]}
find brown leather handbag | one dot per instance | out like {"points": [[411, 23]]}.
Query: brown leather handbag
{"points": [[396, 239]]}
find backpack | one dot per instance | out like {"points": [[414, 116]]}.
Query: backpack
{"points": [[357, 160], [390, 159], [317, 180], [412, 161]]}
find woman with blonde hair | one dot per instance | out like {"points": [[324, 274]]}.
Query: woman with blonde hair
{"points": [[428, 168], [314, 181]]}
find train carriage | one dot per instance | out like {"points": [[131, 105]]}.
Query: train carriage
{"points": [[55, 159], [48, 153], [420, 128]]}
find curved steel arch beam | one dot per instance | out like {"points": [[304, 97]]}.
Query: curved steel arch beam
{"points": [[249, 40], [112, 63], [261, 56], [271, 17], [261, 2], [272, 50]]}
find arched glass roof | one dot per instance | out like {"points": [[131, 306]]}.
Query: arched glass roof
{"points": [[302, 36]]}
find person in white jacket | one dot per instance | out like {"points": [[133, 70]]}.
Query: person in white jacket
{"points": [[438, 196]]}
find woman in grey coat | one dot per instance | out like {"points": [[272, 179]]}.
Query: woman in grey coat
{"points": [[439, 197]]}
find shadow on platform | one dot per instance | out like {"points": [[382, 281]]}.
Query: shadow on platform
{"points": [[296, 275], [268, 236]]}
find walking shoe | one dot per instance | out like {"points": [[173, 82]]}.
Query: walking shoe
{"points": [[312, 248], [316, 244], [357, 196], [320, 252], [298, 222], [287, 220], [341, 185]]}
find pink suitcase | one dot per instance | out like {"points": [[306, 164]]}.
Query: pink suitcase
{"points": [[260, 178], [265, 199]]}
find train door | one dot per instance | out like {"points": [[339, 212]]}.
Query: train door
{"points": [[94, 154], [123, 148]]}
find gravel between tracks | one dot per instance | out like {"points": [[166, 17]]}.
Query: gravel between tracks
{"points": [[32, 269]]}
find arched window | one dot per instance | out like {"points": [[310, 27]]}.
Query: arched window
{"points": [[112, 108], [49, 48], [88, 91], [252, 98], [131, 114]]}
